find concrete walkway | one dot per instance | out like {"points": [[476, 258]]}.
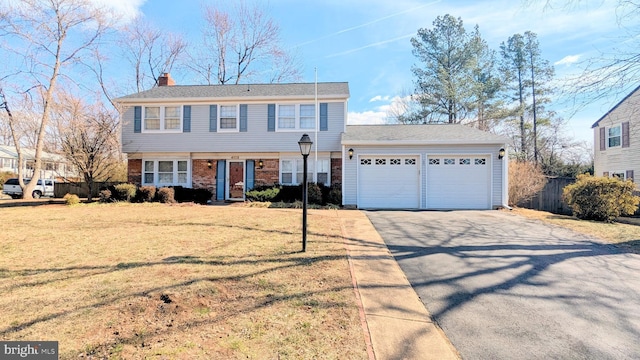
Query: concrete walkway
{"points": [[398, 324]]}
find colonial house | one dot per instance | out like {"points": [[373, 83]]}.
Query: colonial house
{"points": [[54, 166], [616, 139], [230, 138]]}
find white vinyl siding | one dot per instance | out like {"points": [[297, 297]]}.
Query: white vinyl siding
{"points": [[256, 139]]}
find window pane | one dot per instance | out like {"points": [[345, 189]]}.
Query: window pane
{"points": [[287, 178], [148, 166], [152, 112], [172, 112], [307, 117], [148, 178], [287, 166], [227, 111], [165, 166], [182, 166], [171, 124], [614, 131], [182, 178], [323, 178], [165, 178], [152, 124], [228, 123]]}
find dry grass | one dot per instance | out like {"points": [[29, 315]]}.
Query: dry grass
{"points": [[616, 233], [177, 282]]}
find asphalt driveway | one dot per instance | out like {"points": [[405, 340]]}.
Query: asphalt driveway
{"points": [[506, 287]]}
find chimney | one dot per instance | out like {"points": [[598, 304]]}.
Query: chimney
{"points": [[165, 80]]}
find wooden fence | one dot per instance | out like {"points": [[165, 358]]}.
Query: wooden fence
{"points": [[550, 198], [80, 189]]}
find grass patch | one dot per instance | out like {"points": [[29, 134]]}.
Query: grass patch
{"points": [[624, 235], [139, 280]]}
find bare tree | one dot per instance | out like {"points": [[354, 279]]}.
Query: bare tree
{"points": [[88, 138], [48, 36], [239, 45], [151, 52]]}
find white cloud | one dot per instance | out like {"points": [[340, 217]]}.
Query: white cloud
{"points": [[380, 98], [125, 10], [568, 60], [367, 118]]}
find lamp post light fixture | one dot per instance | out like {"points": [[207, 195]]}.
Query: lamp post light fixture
{"points": [[501, 153], [305, 148]]}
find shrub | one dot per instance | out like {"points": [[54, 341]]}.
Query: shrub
{"points": [[4, 176], [335, 194], [71, 199], [263, 195], [202, 196], [314, 194], [124, 192], [146, 194], [600, 198], [166, 195], [526, 179], [105, 196]]}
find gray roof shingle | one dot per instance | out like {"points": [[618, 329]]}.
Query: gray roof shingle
{"points": [[248, 91], [419, 134]]}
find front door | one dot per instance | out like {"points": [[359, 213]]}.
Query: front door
{"points": [[236, 180]]}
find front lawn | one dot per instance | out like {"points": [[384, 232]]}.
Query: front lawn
{"points": [[138, 281]]}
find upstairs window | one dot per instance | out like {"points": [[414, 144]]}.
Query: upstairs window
{"points": [[614, 136], [295, 117], [162, 118], [228, 118]]}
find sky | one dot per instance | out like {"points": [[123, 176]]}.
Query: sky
{"points": [[367, 42]]}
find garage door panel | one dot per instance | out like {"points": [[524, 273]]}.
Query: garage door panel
{"points": [[458, 182], [388, 182]]}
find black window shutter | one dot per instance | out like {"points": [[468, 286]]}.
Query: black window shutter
{"points": [[137, 119], [324, 117], [213, 118], [271, 117], [243, 117], [186, 118]]}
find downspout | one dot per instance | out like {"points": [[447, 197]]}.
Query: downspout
{"points": [[505, 179]]}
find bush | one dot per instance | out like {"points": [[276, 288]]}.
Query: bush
{"points": [[105, 196], [166, 195], [335, 194], [600, 198], [202, 196], [314, 194], [71, 199], [124, 192], [6, 175], [263, 195], [526, 179], [146, 194]]}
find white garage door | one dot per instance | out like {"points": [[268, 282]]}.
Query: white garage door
{"points": [[389, 182], [458, 182]]}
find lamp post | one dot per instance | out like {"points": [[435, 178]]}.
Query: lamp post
{"points": [[305, 148]]}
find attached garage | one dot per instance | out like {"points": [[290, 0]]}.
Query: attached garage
{"points": [[391, 182], [434, 166], [458, 182]]}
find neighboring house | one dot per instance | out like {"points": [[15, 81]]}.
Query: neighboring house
{"points": [[53, 165], [230, 138], [617, 139]]}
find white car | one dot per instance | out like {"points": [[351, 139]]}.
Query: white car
{"points": [[13, 189]]}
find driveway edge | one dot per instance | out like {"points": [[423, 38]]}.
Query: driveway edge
{"points": [[397, 322]]}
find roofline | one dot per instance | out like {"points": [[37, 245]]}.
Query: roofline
{"points": [[595, 124], [337, 97], [417, 142]]}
